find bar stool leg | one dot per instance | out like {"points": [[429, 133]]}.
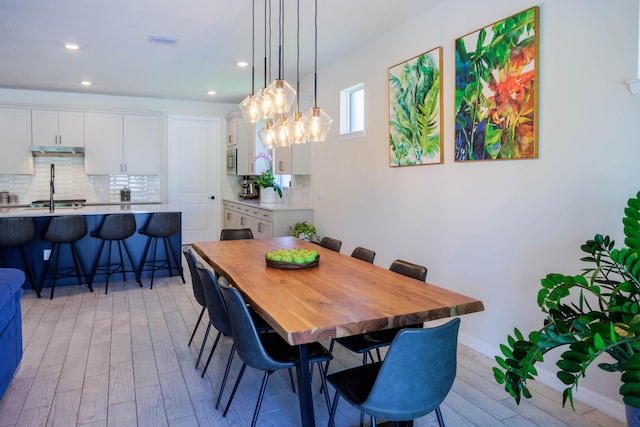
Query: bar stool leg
{"points": [[124, 273], [96, 264], [78, 265], [135, 271], [153, 268], [106, 287], [27, 267]]}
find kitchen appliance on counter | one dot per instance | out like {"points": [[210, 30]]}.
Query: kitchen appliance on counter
{"points": [[249, 188]]}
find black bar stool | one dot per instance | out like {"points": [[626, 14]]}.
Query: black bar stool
{"points": [[161, 225], [64, 230], [115, 228], [17, 232]]}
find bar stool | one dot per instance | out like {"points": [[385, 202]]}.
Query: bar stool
{"points": [[161, 225], [17, 232], [64, 230], [115, 228]]}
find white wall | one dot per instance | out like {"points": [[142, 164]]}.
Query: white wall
{"points": [[493, 229]]}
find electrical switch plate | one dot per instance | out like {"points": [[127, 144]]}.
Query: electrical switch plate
{"points": [[47, 253]]}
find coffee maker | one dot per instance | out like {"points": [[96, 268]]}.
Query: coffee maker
{"points": [[249, 188]]}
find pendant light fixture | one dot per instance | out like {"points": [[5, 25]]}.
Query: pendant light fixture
{"points": [[319, 121], [249, 106], [297, 124], [281, 92], [263, 98]]}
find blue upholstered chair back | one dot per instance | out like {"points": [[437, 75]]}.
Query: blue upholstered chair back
{"points": [[198, 291], [215, 305], [244, 333], [416, 374]]}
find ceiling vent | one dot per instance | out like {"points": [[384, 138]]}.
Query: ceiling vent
{"points": [[168, 41]]}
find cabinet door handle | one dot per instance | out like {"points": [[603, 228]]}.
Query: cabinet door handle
{"points": [[125, 167], [228, 216], [241, 220], [259, 227], [280, 168], [60, 139], [230, 140]]}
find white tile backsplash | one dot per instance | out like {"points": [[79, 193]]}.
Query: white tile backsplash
{"points": [[71, 182]]}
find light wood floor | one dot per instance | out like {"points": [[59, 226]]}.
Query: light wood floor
{"points": [[122, 360]]}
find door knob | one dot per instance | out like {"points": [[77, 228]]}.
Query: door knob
{"points": [[212, 197]]}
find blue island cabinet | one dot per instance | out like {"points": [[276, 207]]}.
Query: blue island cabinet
{"points": [[88, 248]]}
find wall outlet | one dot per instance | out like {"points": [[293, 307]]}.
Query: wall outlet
{"points": [[47, 253]]}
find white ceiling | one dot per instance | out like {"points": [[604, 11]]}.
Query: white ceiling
{"points": [[213, 35]]}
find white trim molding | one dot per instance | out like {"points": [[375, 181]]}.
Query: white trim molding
{"points": [[634, 86]]}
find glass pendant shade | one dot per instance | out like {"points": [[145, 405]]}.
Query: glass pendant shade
{"points": [[282, 96], [281, 133], [266, 136], [264, 102], [297, 125], [250, 109], [319, 125]]}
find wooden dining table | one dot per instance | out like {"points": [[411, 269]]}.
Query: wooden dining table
{"points": [[341, 296]]}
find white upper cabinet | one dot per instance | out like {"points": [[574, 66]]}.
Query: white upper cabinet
{"points": [[242, 136], [15, 139], [141, 145], [51, 127], [121, 144], [103, 144], [292, 160]]}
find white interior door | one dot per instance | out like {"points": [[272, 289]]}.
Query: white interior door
{"points": [[194, 175]]}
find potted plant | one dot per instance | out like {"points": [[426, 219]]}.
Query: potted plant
{"points": [[267, 180], [589, 314], [303, 230]]}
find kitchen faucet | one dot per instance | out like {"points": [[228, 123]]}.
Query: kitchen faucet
{"points": [[51, 187]]}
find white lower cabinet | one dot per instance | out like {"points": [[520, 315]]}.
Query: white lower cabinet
{"points": [[264, 223]]}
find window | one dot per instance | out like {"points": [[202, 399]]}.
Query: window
{"points": [[352, 110]]}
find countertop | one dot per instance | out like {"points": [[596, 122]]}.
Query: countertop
{"points": [[89, 209], [280, 206]]}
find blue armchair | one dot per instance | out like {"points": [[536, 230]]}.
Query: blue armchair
{"points": [[11, 281]]}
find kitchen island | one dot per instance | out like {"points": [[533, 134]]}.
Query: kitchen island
{"points": [[88, 246]]}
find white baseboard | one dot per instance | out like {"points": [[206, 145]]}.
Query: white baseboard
{"points": [[591, 398]]}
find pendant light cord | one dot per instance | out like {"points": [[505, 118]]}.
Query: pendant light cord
{"points": [[253, 47], [315, 73], [298, 59]]}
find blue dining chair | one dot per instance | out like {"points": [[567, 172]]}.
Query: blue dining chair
{"points": [[265, 352], [196, 285], [219, 319], [367, 342], [412, 381]]}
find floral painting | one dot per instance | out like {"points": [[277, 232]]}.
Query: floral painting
{"points": [[496, 90], [415, 104]]}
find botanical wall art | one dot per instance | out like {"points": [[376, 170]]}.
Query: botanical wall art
{"points": [[496, 90], [415, 104]]}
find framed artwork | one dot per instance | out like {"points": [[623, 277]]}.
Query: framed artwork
{"points": [[415, 110], [497, 90]]}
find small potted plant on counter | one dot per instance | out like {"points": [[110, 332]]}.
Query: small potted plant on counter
{"points": [[266, 182], [303, 230], [589, 314]]}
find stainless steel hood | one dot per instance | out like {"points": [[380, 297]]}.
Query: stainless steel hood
{"points": [[56, 150]]}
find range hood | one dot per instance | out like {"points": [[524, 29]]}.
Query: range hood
{"points": [[56, 150]]}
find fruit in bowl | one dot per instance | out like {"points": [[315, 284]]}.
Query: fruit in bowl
{"points": [[296, 256]]}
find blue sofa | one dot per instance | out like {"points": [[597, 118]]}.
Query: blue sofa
{"points": [[11, 281]]}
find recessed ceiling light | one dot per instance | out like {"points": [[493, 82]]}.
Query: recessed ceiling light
{"points": [[212, 92], [163, 40], [243, 64], [71, 46], [85, 83]]}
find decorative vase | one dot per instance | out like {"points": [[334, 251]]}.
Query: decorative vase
{"points": [[633, 416], [268, 195]]}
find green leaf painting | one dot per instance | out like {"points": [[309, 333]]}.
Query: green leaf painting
{"points": [[496, 90], [415, 101]]}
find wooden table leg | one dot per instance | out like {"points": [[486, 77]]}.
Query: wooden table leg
{"points": [[304, 388]]}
